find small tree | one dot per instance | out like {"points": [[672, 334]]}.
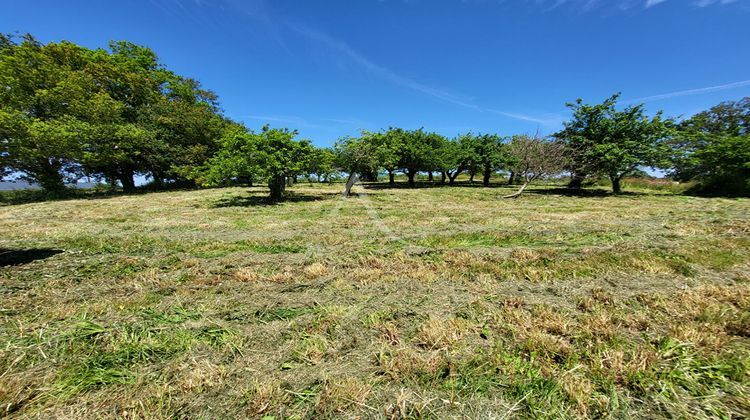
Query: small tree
{"points": [[601, 139], [534, 158], [489, 154], [417, 152], [323, 163], [355, 155], [388, 146], [271, 155], [279, 156], [452, 160], [234, 162]]}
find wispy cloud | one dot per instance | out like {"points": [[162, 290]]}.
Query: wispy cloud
{"points": [[378, 70], [585, 6], [706, 3], [546, 119], [389, 75], [689, 92]]}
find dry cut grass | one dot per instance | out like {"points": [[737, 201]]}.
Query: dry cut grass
{"points": [[433, 302]]}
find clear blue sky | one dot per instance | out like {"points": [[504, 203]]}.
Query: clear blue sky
{"points": [[329, 68]]}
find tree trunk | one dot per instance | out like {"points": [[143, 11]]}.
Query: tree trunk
{"points": [[369, 176], [511, 178], [517, 193], [49, 177], [452, 177], [158, 180], [576, 180], [277, 185], [350, 183], [126, 179], [616, 187], [429, 176], [411, 175], [487, 175], [443, 176], [391, 178], [471, 178]]}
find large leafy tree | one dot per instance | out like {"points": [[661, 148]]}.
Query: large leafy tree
{"points": [[178, 120], [66, 110], [43, 91], [713, 147], [600, 139]]}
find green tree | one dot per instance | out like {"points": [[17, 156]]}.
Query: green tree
{"points": [[66, 110], [387, 149], [279, 156], [323, 163], [452, 158], [234, 162], [485, 153], [42, 93], [272, 155], [602, 140], [417, 153], [713, 147], [355, 155]]}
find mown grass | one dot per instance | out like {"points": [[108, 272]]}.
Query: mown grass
{"points": [[397, 303]]}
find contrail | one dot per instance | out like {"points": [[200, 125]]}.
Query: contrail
{"points": [[689, 92]]}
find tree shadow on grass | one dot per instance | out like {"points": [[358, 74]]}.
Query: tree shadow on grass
{"points": [[24, 256], [434, 184], [584, 192], [263, 200]]}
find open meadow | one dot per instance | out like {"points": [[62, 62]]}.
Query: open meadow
{"points": [[395, 303]]}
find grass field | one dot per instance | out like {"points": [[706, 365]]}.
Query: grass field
{"points": [[397, 303]]}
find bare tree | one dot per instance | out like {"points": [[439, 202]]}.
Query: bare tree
{"points": [[534, 158]]}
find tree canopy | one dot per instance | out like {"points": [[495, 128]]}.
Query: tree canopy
{"points": [[114, 114], [601, 139]]}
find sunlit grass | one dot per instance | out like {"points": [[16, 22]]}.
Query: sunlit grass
{"points": [[395, 303]]}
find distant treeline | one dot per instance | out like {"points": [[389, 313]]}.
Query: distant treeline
{"points": [[68, 112]]}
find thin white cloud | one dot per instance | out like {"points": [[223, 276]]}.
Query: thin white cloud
{"points": [[585, 6], [378, 70], [547, 120], [706, 3], [397, 79], [690, 92]]}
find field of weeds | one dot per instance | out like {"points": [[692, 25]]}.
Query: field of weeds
{"points": [[397, 303]]}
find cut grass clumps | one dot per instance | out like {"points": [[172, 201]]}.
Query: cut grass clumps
{"points": [[451, 303], [92, 355], [220, 249]]}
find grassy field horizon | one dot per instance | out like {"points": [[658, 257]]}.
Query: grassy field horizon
{"points": [[394, 303]]}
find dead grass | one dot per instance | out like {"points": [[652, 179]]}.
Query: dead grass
{"points": [[451, 303]]}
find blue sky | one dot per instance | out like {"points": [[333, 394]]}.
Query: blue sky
{"points": [[330, 68]]}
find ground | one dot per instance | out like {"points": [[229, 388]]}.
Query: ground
{"points": [[431, 302]]}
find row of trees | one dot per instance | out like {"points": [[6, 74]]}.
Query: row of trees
{"points": [[67, 112]]}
